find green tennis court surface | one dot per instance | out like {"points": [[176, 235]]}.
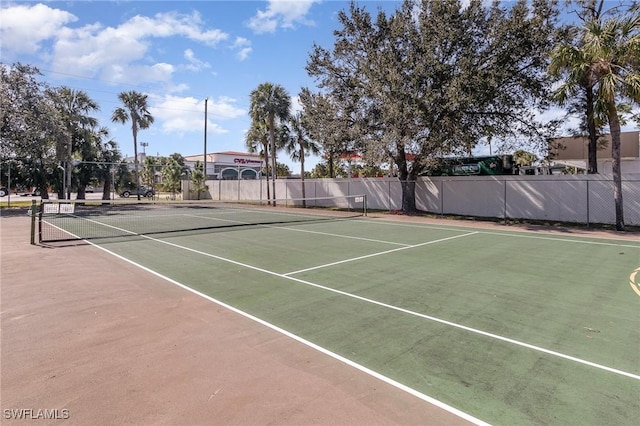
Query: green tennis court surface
{"points": [[508, 327]]}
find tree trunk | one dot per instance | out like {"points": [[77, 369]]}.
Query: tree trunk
{"points": [[409, 196], [407, 182], [275, 170], [266, 167], [332, 173], [69, 167], [592, 167], [106, 189], [614, 128], [272, 139], [304, 193]]}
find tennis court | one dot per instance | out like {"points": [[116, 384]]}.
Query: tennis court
{"points": [[500, 326]]}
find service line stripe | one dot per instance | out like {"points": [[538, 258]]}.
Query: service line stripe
{"points": [[377, 254], [515, 234], [299, 339], [406, 311]]}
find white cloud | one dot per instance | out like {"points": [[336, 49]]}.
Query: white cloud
{"points": [[92, 48], [194, 63], [281, 13], [243, 54], [117, 54], [243, 46], [223, 107], [186, 114], [25, 27], [171, 24]]}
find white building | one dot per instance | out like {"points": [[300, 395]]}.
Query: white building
{"points": [[229, 165], [573, 151]]}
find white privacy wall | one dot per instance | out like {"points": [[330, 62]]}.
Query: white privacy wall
{"points": [[565, 198]]}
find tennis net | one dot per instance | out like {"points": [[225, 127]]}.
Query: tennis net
{"points": [[65, 220]]}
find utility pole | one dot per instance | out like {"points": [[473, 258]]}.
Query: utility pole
{"points": [[206, 100]]}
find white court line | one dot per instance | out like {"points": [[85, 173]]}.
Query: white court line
{"points": [[377, 254], [513, 233], [395, 308], [286, 228], [299, 339]]}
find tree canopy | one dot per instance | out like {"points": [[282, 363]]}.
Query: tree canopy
{"points": [[435, 77]]}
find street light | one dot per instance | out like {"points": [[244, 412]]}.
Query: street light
{"points": [[206, 100]]}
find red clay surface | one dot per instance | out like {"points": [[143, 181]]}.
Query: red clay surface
{"points": [[97, 341]]}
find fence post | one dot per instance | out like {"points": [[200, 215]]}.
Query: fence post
{"points": [[441, 197], [505, 201], [32, 211], [588, 218]]}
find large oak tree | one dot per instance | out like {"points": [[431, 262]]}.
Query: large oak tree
{"points": [[435, 77]]}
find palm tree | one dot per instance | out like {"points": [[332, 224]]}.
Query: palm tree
{"points": [[270, 102], [89, 153], [108, 156], [257, 135], [136, 110], [578, 91], [198, 179], [609, 55], [172, 177], [74, 107], [299, 145]]}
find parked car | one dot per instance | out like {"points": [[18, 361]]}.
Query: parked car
{"points": [[4, 192], [144, 191]]}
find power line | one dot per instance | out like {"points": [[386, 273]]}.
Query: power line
{"points": [[96, 79]]}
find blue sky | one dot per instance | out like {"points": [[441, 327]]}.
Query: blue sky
{"points": [[179, 53]]}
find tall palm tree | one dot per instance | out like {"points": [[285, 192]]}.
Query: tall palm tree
{"points": [[108, 155], [89, 153], [270, 102], [609, 54], [299, 145], [578, 91], [135, 109], [172, 176], [74, 107], [258, 135]]}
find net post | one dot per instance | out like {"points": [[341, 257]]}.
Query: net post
{"points": [[33, 222], [364, 200]]}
